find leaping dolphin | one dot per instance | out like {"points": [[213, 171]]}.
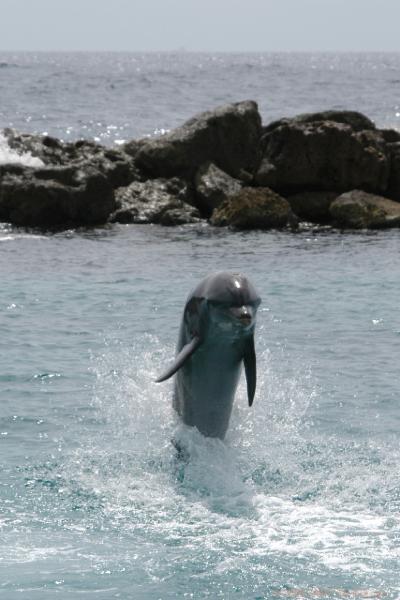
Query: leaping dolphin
{"points": [[216, 337]]}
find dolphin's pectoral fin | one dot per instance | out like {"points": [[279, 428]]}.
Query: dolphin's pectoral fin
{"points": [[250, 369], [180, 360]]}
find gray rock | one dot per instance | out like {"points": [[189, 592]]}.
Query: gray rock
{"points": [[213, 186], [227, 136], [54, 198], [117, 166], [49, 149], [390, 135], [356, 120], [393, 189], [162, 201], [254, 208], [360, 210], [133, 146], [323, 155], [313, 206]]}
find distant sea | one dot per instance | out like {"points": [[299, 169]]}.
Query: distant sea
{"points": [[302, 499]]}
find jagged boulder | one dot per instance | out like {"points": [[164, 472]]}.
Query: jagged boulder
{"points": [[227, 136], [55, 197], [161, 201], [390, 135], [323, 155], [313, 206], [116, 165], [254, 208], [356, 120], [213, 186], [49, 149], [359, 210]]}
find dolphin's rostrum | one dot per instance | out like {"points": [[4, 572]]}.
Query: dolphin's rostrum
{"points": [[216, 337]]}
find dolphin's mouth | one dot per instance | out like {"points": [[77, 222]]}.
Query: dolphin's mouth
{"points": [[242, 315], [245, 319]]}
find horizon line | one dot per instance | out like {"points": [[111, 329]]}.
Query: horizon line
{"points": [[187, 51]]}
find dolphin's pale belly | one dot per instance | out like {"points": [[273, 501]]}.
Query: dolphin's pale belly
{"points": [[205, 388]]}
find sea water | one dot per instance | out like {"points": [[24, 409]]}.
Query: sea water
{"points": [[302, 499]]}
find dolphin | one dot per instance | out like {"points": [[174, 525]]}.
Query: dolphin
{"points": [[216, 337]]}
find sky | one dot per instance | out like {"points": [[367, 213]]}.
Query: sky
{"points": [[200, 25]]}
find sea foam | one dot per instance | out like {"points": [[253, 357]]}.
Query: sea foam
{"points": [[10, 156]]}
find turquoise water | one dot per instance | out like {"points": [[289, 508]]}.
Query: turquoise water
{"points": [[301, 501]]}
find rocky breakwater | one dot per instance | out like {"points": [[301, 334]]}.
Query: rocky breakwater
{"points": [[70, 184], [332, 167]]}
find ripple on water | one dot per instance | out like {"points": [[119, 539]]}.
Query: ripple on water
{"points": [[302, 498]]}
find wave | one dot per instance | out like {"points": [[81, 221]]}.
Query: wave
{"points": [[274, 509], [10, 156]]}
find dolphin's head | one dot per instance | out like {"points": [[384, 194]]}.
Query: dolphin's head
{"points": [[222, 306], [229, 302]]}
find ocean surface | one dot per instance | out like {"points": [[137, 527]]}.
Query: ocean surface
{"points": [[302, 499]]}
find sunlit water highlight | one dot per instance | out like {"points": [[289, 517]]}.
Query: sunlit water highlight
{"points": [[112, 96], [301, 500]]}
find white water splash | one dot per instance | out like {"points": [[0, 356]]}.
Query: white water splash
{"points": [[227, 495], [10, 156], [238, 516]]}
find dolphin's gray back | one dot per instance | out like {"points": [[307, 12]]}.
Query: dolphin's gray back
{"points": [[212, 346]]}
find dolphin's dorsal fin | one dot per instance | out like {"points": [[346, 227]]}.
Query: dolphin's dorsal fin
{"points": [[250, 368], [182, 357]]}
